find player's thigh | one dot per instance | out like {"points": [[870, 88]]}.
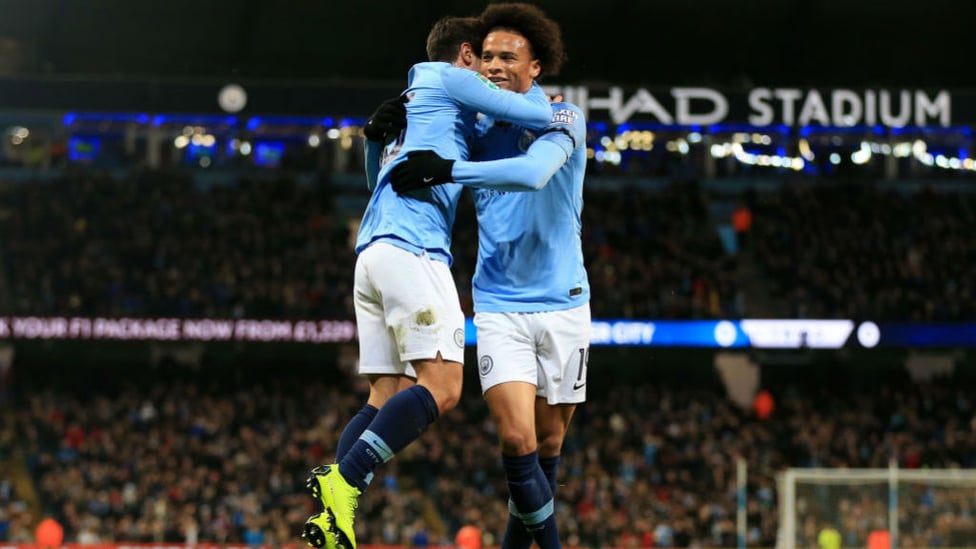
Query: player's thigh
{"points": [[378, 353], [563, 339], [506, 351], [419, 302]]}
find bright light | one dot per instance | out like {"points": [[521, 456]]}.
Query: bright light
{"points": [[245, 148], [862, 155], [208, 140], [806, 151], [903, 150], [694, 137], [605, 141], [834, 158], [181, 141], [333, 133], [718, 151], [314, 140]]}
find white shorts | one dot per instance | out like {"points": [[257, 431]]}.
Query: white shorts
{"points": [[549, 350], [407, 309]]}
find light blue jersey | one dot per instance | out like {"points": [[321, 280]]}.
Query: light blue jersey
{"points": [[441, 112], [530, 256]]}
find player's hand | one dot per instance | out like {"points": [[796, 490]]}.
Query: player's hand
{"points": [[387, 120], [421, 169]]}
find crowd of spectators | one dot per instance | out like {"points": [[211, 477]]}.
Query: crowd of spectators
{"points": [[156, 244], [869, 252], [642, 465]]}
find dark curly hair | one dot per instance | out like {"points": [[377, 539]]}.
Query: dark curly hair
{"points": [[447, 35], [544, 36]]}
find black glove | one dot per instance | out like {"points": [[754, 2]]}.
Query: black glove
{"points": [[387, 120], [420, 169]]}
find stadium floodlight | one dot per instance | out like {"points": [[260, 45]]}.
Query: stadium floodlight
{"points": [[919, 507]]}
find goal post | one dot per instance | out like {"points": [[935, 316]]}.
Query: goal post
{"points": [[916, 507]]}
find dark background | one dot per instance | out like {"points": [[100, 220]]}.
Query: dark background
{"points": [[652, 42]]}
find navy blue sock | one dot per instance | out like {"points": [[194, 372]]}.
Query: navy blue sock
{"points": [[354, 429], [399, 422], [516, 535], [531, 499], [549, 466]]}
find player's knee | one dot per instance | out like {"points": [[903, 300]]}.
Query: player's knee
{"points": [[550, 444], [448, 399], [515, 441], [446, 391], [444, 380]]}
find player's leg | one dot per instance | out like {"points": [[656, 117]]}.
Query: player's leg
{"points": [[509, 378], [565, 356], [422, 311], [378, 360], [382, 387], [551, 424], [563, 352]]}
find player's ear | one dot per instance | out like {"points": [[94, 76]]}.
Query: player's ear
{"points": [[535, 69], [468, 57]]}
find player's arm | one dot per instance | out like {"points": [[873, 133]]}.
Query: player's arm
{"points": [[387, 121], [374, 150], [528, 172], [474, 91]]}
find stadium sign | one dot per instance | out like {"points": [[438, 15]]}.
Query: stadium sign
{"points": [[712, 334], [690, 106]]}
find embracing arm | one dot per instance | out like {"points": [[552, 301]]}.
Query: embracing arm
{"points": [[474, 91], [527, 172], [374, 150]]}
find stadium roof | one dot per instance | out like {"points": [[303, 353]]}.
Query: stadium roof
{"points": [[641, 42]]}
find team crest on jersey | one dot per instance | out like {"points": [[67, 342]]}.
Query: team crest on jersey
{"points": [[526, 139], [565, 116], [487, 82], [459, 337], [485, 364]]}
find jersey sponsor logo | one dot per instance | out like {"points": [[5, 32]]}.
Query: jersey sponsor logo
{"points": [[485, 365], [565, 116], [459, 337], [487, 82], [575, 291]]}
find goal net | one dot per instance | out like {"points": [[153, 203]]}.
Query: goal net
{"points": [[877, 508]]}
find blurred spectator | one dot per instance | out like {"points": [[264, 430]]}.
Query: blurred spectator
{"points": [[50, 534]]}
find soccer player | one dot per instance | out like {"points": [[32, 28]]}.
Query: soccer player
{"points": [[407, 309], [530, 286]]}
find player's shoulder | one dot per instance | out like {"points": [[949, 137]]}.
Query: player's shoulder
{"points": [[426, 71]]}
